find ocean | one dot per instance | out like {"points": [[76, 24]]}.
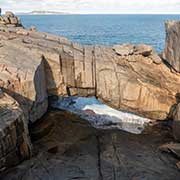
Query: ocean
{"points": [[104, 29]]}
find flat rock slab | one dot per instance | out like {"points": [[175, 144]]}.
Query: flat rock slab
{"points": [[75, 150]]}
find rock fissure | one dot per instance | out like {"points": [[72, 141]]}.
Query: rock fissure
{"points": [[99, 158]]}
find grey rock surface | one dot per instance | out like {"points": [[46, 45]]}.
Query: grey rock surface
{"points": [[172, 52], [176, 123], [75, 150]]}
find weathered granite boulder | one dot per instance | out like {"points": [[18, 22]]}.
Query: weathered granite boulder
{"points": [[143, 49], [15, 145], [124, 49], [9, 19], [9, 14], [172, 51], [129, 49]]}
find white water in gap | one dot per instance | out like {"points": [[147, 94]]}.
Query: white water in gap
{"points": [[101, 115]]}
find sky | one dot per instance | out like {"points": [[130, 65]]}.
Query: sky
{"points": [[95, 6]]}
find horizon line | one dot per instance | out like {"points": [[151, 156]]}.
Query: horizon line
{"points": [[73, 13]]}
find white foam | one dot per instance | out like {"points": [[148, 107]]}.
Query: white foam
{"points": [[102, 116]]}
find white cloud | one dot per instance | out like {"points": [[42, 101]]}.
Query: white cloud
{"points": [[94, 6]]}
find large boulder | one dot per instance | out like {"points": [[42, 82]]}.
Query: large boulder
{"points": [[9, 14], [9, 19], [172, 51], [22, 76], [15, 145]]}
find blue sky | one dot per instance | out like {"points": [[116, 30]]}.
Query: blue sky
{"points": [[94, 6]]}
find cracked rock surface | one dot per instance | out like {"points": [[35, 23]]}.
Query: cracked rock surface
{"points": [[75, 150], [35, 65], [15, 144]]}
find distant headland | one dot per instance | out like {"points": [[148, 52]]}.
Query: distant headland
{"points": [[43, 13]]}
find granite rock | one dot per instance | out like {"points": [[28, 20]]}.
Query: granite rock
{"points": [[171, 52], [56, 66], [143, 49], [9, 19], [15, 145], [35, 65], [124, 49]]}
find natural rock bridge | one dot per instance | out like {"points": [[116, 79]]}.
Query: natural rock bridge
{"points": [[36, 65]]}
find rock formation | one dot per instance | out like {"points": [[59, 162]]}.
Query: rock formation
{"points": [[176, 123], [172, 52], [172, 55], [14, 137], [75, 150], [36, 65], [10, 20]]}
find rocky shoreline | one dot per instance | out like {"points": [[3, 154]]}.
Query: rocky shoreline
{"points": [[35, 66]]}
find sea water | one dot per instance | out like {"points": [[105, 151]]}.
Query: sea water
{"points": [[102, 116], [104, 29]]}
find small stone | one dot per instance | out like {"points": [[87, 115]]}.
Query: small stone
{"points": [[178, 165], [124, 49], [1, 93], [143, 49], [53, 150], [23, 32], [173, 148], [156, 59], [9, 14], [33, 28]]}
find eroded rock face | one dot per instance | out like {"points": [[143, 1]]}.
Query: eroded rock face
{"points": [[10, 20], [22, 76], [14, 137], [135, 83], [172, 51], [34, 63]]}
